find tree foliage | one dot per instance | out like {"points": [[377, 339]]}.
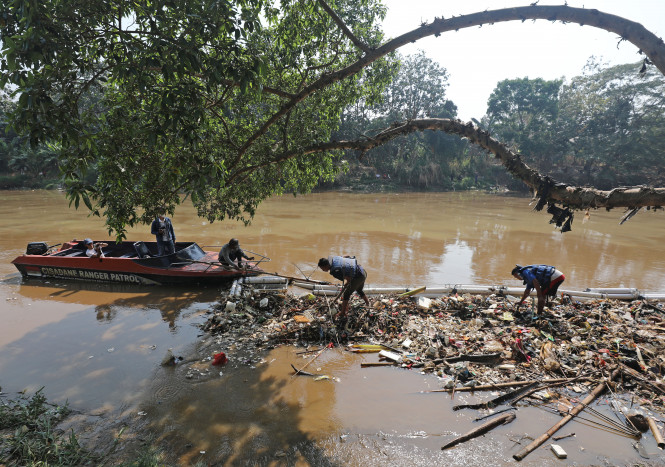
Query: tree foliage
{"points": [[604, 128], [226, 101], [613, 120], [164, 98], [17, 156], [418, 90], [524, 113]]}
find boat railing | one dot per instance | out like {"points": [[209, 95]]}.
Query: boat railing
{"points": [[263, 258]]}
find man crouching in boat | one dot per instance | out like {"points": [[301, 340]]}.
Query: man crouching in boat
{"points": [[231, 252], [346, 268], [94, 250]]}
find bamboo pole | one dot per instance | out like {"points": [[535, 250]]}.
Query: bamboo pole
{"points": [[311, 360], [575, 410], [372, 364], [481, 430], [511, 384], [656, 432]]}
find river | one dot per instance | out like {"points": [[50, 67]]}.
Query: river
{"points": [[99, 347]]}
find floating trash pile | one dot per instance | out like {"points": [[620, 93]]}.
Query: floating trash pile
{"points": [[475, 343], [468, 339]]}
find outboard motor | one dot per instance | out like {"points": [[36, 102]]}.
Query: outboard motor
{"points": [[36, 248]]}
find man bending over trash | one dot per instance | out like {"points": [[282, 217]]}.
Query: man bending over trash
{"points": [[545, 279], [346, 268]]}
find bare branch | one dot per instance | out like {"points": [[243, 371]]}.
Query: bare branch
{"points": [[570, 196], [347, 32]]}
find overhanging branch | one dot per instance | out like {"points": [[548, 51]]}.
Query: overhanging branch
{"points": [[647, 42], [570, 196], [347, 32]]}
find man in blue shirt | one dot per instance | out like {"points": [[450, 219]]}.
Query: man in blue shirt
{"points": [[545, 279], [346, 269]]}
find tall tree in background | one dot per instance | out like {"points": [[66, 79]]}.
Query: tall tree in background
{"points": [[614, 121], [418, 90], [26, 165], [524, 113]]}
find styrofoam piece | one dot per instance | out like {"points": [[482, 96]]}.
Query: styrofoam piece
{"points": [[424, 303], [390, 356], [558, 451]]}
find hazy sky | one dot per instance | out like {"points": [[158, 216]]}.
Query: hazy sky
{"points": [[477, 58]]}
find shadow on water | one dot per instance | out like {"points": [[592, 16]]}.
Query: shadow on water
{"points": [[240, 414], [104, 359]]}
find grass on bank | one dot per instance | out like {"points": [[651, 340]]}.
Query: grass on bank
{"points": [[29, 437]]}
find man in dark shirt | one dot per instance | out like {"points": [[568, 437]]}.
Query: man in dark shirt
{"points": [[346, 269], [162, 229], [230, 253]]}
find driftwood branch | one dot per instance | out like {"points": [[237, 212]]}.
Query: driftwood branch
{"points": [[651, 385], [573, 412], [490, 404], [481, 430], [511, 384]]}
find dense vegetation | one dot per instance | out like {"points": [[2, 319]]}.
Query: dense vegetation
{"points": [[232, 101], [604, 128], [28, 434]]}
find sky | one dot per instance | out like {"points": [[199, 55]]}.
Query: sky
{"points": [[478, 58]]}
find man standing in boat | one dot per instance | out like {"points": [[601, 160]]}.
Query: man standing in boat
{"points": [[162, 229], [231, 252], [545, 279], [346, 269]]}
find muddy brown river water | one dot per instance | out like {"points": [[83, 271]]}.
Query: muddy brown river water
{"points": [[99, 346]]}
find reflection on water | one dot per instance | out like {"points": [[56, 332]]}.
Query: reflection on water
{"points": [[100, 345]]}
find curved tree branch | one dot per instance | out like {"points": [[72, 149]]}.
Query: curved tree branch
{"points": [[570, 196], [648, 43]]}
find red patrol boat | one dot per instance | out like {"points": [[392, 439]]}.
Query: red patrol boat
{"points": [[131, 263]]}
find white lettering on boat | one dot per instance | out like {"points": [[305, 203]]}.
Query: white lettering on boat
{"points": [[91, 275]]}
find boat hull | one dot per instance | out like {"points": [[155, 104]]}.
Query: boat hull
{"points": [[189, 265]]}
